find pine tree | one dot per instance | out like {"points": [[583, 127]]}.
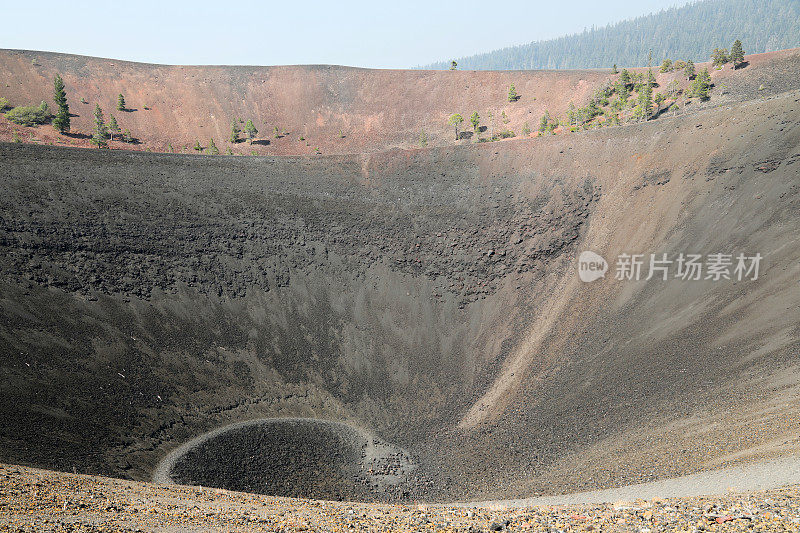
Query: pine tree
{"points": [[645, 101], [624, 94], [250, 130], [44, 110], [453, 65], [455, 120], [512, 94], [526, 130], [737, 54], [625, 78], [719, 56], [113, 127], [61, 120], [673, 89], [614, 69], [59, 94], [100, 135], [659, 99], [197, 146], [475, 119], [423, 139], [689, 70], [544, 122], [701, 86], [121, 103], [666, 65], [212, 148], [275, 132], [592, 110], [234, 132], [706, 77]]}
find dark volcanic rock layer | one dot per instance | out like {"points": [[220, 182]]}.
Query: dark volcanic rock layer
{"points": [[226, 227]]}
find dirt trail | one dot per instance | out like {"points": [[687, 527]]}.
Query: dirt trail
{"points": [[754, 477]]}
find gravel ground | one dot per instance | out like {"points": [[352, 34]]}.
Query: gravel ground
{"points": [[39, 500]]}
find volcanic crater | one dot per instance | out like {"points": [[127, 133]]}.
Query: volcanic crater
{"points": [[408, 323]]}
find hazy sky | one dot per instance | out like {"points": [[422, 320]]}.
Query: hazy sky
{"points": [[364, 33]]}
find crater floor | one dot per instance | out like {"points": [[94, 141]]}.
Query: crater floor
{"points": [[299, 457]]}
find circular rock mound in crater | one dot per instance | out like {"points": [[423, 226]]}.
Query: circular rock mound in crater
{"points": [[295, 457]]}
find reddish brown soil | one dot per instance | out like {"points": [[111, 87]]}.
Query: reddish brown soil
{"points": [[373, 109]]}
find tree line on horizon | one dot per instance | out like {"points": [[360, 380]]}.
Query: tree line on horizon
{"points": [[688, 31]]}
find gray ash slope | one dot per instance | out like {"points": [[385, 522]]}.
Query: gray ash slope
{"points": [[146, 299]]}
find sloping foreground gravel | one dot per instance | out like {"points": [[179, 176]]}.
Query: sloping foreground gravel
{"points": [[744, 478], [39, 500]]}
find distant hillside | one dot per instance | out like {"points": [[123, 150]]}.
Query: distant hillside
{"points": [[331, 109], [688, 32]]}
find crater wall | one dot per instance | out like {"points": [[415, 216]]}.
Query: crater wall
{"points": [[427, 297]]}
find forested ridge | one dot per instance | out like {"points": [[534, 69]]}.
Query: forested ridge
{"points": [[691, 32]]}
